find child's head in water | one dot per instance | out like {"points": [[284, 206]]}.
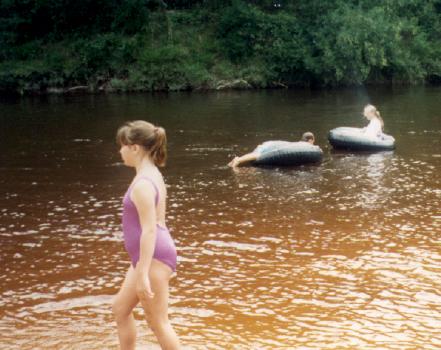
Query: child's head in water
{"points": [[308, 137], [138, 139]]}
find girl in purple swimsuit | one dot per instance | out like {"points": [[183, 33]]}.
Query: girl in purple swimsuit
{"points": [[146, 238]]}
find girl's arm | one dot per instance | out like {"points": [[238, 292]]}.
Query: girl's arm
{"points": [[247, 158], [143, 196]]}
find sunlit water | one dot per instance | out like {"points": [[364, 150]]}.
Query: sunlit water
{"points": [[343, 255]]}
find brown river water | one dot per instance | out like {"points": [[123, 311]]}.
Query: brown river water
{"points": [[341, 255]]}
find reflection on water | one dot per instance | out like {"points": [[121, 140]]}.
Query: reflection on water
{"points": [[369, 182], [342, 255]]}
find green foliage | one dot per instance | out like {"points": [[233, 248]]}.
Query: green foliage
{"points": [[368, 42], [143, 45], [21, 21], [239, 28]]}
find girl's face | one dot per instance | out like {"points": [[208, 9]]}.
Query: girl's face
{"points": [[128, 154], [369, 113]]}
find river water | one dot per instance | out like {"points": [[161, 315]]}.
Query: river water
{"points": [[342, 255]]}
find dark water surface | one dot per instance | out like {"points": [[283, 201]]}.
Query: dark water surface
{"points": [[344, 255]]}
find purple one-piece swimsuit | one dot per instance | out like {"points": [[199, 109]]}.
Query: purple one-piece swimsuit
{"points": [[165, 250]]}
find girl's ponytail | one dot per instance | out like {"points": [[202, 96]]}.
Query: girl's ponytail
{"points": [[159, 149]]}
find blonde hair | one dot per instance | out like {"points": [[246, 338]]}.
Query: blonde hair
{"points": [[373, 109], [152, 138]]}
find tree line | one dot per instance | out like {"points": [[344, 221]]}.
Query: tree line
{"points": [[146, 45]]}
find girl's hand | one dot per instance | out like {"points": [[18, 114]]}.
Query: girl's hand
{"points": [[143, 288], [234, 162]]}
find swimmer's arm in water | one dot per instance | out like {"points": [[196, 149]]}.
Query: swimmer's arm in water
{"points": [[143, 196], [244, 160]]}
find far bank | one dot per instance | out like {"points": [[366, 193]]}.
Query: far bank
{"points": [[216, 45]]}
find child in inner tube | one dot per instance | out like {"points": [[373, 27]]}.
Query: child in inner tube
{"points": [[376, 124], [267, 146]]}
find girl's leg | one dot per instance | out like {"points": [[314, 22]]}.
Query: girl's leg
{"points": [[156, 309], [123, 305]]}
